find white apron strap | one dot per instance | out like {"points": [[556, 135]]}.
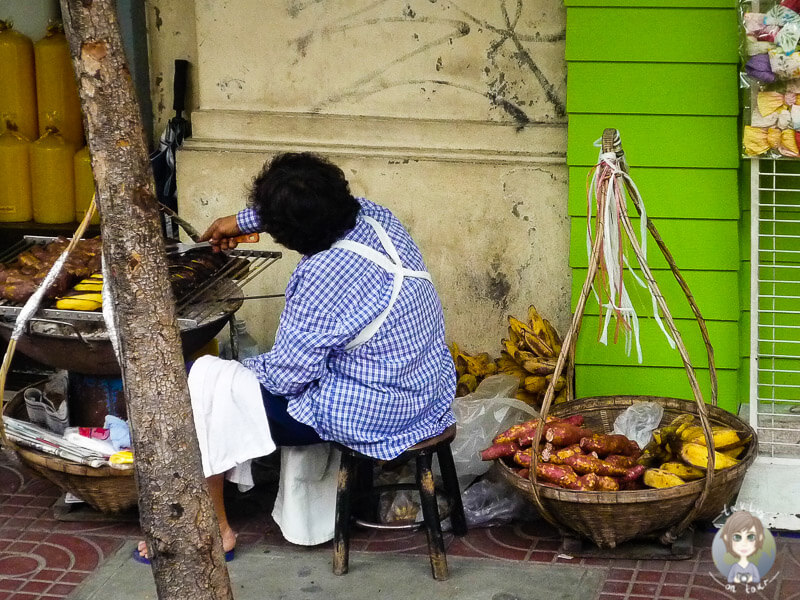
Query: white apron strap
{"points": [[391, 264]]}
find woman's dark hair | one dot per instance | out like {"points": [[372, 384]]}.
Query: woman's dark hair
{"points": [[304, 202]]}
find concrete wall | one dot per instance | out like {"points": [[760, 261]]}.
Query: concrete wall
{"points": [[451, 115]]}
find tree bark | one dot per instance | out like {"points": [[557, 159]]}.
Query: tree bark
{"points": [[176, 512]]}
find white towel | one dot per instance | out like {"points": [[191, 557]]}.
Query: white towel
{"points": [[305, 508], [229, 416]]}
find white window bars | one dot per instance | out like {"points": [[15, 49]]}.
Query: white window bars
{"points": [[775, 307]]}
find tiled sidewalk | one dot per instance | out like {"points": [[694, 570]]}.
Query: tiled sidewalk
{"points": [[45, 559]]}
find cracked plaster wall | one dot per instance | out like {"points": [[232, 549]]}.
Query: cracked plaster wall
{"points": [[449, 113]]}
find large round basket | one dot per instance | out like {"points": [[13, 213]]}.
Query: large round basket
{"points": [[610, 518], [105, 489]]}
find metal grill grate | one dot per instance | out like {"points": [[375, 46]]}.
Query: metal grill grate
{"points": [[775, 307], [221, 293]]}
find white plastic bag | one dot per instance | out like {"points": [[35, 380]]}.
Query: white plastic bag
{"points": [[480, 416], [638, 421]]}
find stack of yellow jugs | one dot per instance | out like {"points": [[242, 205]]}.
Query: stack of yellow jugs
{"points": [[46, 168]]}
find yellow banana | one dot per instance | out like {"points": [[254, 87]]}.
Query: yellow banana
{"points": [[510, 348], [523, 355], [536, 345], [697, 456], [539, 366], [507, 365], [560, 382], [88, 286], [535, 384], [461, 365], [478, 366], [518, 327], [553, 339], [466, 384], [536, 322], [724, 437], [733, 452], [685, 472], [528, 398], [80, 301], [658, 478], [454, 350]]}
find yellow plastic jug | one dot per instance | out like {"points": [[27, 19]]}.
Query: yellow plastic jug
{"points": [[52, 178], [84, 185], [56, 91], [17, 80], [15, 183]]}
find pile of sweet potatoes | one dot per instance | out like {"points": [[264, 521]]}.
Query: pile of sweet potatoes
{"points": [[570, 456]]}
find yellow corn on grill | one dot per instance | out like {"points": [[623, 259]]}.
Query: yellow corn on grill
{"points": [[76, 340]]}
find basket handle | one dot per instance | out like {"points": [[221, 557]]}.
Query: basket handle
{"points": [[611, 143]]}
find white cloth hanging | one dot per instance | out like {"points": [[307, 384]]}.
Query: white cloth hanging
{"points": [[229, 416], [305, 507]]}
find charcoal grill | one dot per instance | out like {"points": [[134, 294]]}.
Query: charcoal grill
{"points": [[78, 341]]}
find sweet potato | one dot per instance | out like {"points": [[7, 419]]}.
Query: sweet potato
{"points": [[605, 444], [607, 484], [559, 474], [523, 457], [620, 460], [633, 474], [557, 456], [582, 463], [524, 433], [585, 483], [515, 432], [565, 434], [576, 420], [524, 473], [499, 450], [510, 435]]}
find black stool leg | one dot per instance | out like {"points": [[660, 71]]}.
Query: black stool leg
{"points": [[450, 479], [430, 512], [367, 504], [341, 531]]}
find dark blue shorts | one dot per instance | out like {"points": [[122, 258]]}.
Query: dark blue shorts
{"points": [[285, 430]]}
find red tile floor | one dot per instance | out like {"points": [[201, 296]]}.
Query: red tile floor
{"points": [[42, 558]]}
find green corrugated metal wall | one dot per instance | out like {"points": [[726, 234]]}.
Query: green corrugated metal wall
{"points": [[664, 73]]}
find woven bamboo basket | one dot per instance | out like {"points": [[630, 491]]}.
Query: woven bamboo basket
{"points": [[610, 518], [105, 489]]}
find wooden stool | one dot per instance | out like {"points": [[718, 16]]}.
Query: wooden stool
{"points": [[356, 465]]}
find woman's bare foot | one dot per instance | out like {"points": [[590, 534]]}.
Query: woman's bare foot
{"points": [[228, 543]]}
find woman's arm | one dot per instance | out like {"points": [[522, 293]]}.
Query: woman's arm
{"points": [[306, 337], [222, 231]]}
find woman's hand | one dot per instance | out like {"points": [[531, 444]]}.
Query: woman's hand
{"points": [[221, 233]]}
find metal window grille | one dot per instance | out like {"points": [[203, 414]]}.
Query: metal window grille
{"points": [[775, 307]]}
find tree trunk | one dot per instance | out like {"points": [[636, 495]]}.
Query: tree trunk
{"points": [[176, 513]]}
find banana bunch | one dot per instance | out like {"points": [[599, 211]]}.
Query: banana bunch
{"points": [[470, 369], [86, 295], [529, 353], [678, 452]]}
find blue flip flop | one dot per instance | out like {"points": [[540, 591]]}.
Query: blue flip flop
{"points": [[229, 555]]}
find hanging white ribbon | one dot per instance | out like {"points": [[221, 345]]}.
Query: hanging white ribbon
{"points": [[610, 172]]}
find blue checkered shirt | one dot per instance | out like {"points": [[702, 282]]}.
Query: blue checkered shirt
{"points": [[383, 396]]}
